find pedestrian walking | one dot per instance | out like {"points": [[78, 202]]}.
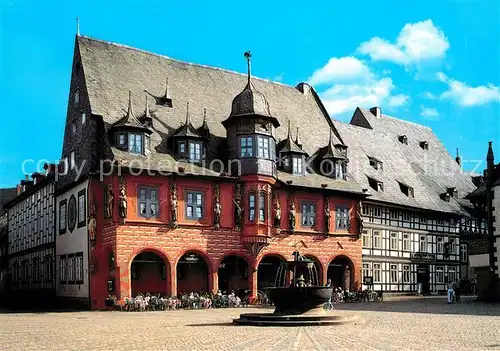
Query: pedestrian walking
{"points": [[450, 292]]}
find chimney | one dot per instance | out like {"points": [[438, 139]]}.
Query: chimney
{"points": [[458, 159], [37, 177], [376, 111], [19, 190], [50, 168]]}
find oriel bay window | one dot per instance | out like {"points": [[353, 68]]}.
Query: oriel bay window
{"points": [[308, 214], [257, 204], [148, 201], [136, 143], [194, 205], [246, 146]]}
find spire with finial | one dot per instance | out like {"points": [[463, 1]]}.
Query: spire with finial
{"points": [[289, 130], [147, 114], [297, 140], [78, 26], [166, 100], [331, 138], [458, 159], [248, 56], [130, 111], [188, 118], [489, 156], [204, 126]]}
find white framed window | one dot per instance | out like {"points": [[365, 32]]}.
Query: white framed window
{"points": [[394, 241], [429, 244], [393, 270], [406, 242], [135, 143], [62, 216], [308, 214], [182, 147], [148, 201], [377, 211], [79, 267], [264, 150], [262, 207], [194, 204], [81, 208], [377, 239], [71, 268], [194, 151], [72, 160], [366, 238], [423, 244], [463, 252], [84, 117], [406, 273], [246, 146], [251, 206], [440, 245], [62, 269], [377, 272], [297, 165], [73, 128], [452, 274], [366, 270], [394, 214], [77, 96], [342, 217], [440, 274]]}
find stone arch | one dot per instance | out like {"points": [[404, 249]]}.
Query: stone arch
{"points": [[194, 272], [149, 272], [267, 270], [319, 268], [233, 273], [341, 271]]}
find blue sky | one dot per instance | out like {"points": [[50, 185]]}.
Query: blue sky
{"points": [[430, 62]]}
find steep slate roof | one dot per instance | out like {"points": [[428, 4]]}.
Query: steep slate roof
{"points": [[429, 172], [6, 194], [111, 70]]}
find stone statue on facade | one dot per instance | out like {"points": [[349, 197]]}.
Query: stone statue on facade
{"points": [[122, 203], [174, 206], [291, 216], [238, 214], [359, 218], [108, 210], [92, 227], [328, 215], [277, 214], [217, 212]]}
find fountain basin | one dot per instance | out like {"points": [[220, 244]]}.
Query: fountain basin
{"points": [[271, 319], [299, 300]]}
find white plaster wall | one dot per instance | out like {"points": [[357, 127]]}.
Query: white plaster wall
{"points": [[73, 242], [476, 261]]}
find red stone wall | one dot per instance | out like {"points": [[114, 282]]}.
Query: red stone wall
{"points": [[138, 234]]}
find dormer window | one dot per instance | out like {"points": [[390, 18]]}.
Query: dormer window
{"points": [[135, 143], [297, 165], [77, 96], [182, 147], [407, 190], [424, 145], [194, 151], [122, 140], [403, 139], [376, 164], [375, 184]]}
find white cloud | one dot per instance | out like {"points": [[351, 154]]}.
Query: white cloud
{"points": [[342, 98], [278, 78], [429, 95], [428, 112], [467, 96], [398, 100], [340, 69], [415, 43]]}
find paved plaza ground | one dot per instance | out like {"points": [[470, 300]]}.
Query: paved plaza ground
{"points": [[403, 324]]}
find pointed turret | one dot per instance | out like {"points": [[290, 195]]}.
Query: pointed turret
{"points": [[146, 118], [130, 121], [458, 159], [297, 139], [204, 130], [166, 99]]}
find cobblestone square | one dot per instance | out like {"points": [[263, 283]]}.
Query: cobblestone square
{"points": [[403, 324]]}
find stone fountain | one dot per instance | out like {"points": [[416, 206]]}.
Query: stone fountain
{"points": [[299, 303]]}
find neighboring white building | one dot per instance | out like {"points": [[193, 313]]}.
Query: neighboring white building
{"points": [[72, 247], [31, 236], [407, 252]]}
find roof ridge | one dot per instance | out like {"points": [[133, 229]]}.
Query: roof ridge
{"points": [[397, 119], [185, 62]]}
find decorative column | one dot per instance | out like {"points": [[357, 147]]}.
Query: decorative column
{"points": [[213, 281], [252, 280], [173, 280]]}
